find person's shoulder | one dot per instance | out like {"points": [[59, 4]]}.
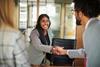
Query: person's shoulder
{"points": [[94, 22], [10, 30], [11, 33], [97, 22], [34, 31], [14, 31]]}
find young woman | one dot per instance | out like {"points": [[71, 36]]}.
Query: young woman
{"points": [[40, 47]]}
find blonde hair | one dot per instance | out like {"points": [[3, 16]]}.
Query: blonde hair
{"points": [[6, 13]]}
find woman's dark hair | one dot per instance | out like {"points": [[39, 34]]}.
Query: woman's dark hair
{"points": [[38, 25], [90, 8]]}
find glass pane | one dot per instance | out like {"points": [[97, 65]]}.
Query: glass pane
{"points": [[70, 25], [23, 15], [54, 16]]}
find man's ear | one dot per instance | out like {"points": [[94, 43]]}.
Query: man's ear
{"points": [[80, 14], [16, 2]]}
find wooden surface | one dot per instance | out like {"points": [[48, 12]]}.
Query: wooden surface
{"points": [[53, 66]]}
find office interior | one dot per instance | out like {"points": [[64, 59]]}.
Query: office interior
{"points": [[63, 24]]}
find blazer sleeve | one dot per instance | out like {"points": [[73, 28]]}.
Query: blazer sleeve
{"points": [[76, 53], [35, 41]]}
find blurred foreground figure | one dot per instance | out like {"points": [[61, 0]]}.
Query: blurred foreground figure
{"points": [[12, 43]]}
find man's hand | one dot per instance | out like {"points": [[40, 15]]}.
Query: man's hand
{"points": [[59, 50]]}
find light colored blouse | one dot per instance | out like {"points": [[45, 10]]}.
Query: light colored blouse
{"points": [[13, 49]]}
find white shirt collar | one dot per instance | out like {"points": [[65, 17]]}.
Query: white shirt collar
{"points": [[89, 22]]}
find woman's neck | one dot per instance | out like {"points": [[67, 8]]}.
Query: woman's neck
{"points": [[45, 32]]}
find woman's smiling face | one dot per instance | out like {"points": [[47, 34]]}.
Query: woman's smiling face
{"points": [[44, 23]]}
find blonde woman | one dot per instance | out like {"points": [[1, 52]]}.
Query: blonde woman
{"points": [[12, 44]]}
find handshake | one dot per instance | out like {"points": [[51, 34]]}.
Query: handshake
{"points": [[59, 50]]}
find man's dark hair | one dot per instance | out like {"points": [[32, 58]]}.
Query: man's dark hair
{"points": [[38, 25], [90, 8]]}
